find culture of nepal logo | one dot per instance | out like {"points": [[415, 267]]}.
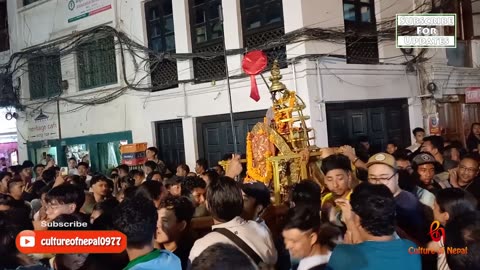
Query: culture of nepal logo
{"points": [[437, 234]]}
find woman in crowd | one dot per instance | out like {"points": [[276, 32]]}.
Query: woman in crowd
{"points": [[473, 140], [449, 204]]}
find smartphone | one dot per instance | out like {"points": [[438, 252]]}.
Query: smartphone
{"points": [[64, 171]]}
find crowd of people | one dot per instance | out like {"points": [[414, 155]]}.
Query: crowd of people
{"points": [[359, 210]]}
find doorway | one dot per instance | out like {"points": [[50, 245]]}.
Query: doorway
{"points": [[380, 120], [215, 134], [171, 149]]}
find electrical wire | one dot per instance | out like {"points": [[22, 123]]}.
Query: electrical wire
{"points": [[146, 60]]}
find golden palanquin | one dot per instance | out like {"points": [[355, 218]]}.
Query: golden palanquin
{"points": [[279, 149]]}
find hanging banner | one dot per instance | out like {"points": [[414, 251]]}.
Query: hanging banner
{"points": [[79, 9], [472, 95], [434, 125], [42, 128]]}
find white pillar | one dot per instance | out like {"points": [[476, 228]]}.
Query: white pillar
{"points": [[232, 24], [183, 38], [415, 115], [190, 141], [313, 13]]}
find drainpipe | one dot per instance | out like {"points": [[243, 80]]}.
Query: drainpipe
{"points": [[58, 118], [185, 101], [294, 71], [320, 98]]}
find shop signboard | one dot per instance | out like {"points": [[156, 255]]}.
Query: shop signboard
{"points": [[80, 9], [472, 95], [43, 128]]}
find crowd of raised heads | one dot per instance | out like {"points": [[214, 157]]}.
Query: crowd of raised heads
{"points": [[394, 208]]}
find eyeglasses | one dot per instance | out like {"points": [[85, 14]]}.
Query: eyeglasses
{"points": [[469, 170], [54, 206], [381, 179]]}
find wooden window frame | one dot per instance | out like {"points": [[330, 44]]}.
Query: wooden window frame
{"points": [[93, 69], [159, 21], [41, 70], [359, 26], [208, 23], [260, 6]]}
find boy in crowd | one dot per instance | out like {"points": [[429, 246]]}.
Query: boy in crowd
{"points": [[173, 227], [201, 166], [418, 133], [152, 155], [138, 176], [222, 256], [149, 167], [392, 147], [182, 170], [64, 199], [38, 169], [72, 166], [123, 170], [196, 187], [174, 185], [225, 203], [99, 187], [302, 238], [83, 168], [372, 218], [338, 178], [137, 218]]}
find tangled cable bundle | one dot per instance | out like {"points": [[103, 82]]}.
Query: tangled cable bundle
{"points": [[144, 58]]}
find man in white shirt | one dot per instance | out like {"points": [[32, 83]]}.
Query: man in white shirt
{"points": [[225, 203], [418, 133]]}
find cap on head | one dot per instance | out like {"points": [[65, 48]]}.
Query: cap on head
{"points": [[258, 191], [423, 158], [382, 158]]}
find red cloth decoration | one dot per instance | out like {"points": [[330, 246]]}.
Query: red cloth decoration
{"points": [[253, 64]]}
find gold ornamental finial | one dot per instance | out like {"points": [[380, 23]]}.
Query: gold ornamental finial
{"points": [[277, 85]]}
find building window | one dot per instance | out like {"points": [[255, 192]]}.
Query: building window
{"points": [[262, 22], [45, 76], [207, 36], [96, 63], [4, 38], [461, 56], [161, 38], [207, 26], [28, 2], [360, 28]]}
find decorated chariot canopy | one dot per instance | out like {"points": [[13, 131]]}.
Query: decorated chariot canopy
{"points": [[279, 148]]}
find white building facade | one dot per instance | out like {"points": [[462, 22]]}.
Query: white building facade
{"points": [[350, 90]]}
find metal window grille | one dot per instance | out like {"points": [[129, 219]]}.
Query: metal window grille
{"points": [[161, 38], [163, 73], [207, 36], [362, 50], [360, 26], [96, 63], [261, 38], [209, 69], [45, 76], [262, 22]]}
